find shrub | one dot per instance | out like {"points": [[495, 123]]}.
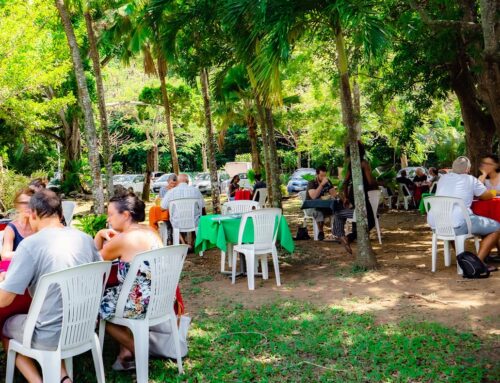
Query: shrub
{"points": [[10, 183], [92, 223]]}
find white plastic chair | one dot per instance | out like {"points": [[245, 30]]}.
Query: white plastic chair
{"points": [[302, 196], [183, 213], [163, 231], [441, 209], [433, 187], [374, 197], [166, 266], [242, 206], [265, 224], [81, 291], [261, 193], [386, 197], [232, 207], [404, 198], [68, 208]]}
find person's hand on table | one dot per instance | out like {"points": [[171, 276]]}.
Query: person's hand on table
{"points": [[106, 234]]}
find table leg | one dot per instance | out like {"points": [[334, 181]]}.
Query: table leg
{"points": [[229, 254]]}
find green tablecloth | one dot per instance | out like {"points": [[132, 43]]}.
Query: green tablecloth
{"points": [[421, 207], [212, 233]]}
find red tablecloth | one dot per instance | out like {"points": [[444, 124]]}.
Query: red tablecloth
{"points": [[21, 303], [243, 194], [490, 209]]}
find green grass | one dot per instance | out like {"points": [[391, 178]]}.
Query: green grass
{"points": [[296, 342]]}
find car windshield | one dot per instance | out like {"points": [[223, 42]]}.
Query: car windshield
{"points": [[300, 173], [202, 177], [163, 178], [119, 178]]}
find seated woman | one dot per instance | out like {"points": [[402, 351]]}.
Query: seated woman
{"points": [[340, 216], [127, 239], [233, 187], [490, 172], [20, 227]]}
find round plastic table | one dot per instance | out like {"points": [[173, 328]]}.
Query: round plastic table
{"points": [[489, 209]]}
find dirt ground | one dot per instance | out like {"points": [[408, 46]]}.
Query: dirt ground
{"points": [[402, 288]]}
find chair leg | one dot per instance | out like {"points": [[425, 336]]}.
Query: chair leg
{"points": [[223, 261], [379, 234], [434, 252], [102, 332], [175, 333], [141, 351], [447, 256], [476, 243], [175, 236], [233, 267], [459, 248], [276, 267], [98, 363], [68, 363], [315, 229], [11, 366], [250, 260], [51, 367], [265, 268]]}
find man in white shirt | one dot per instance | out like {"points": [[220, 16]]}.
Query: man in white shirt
{"points": [[460, 184], [183, 191]]}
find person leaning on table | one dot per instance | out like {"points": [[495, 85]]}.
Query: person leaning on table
{"points": [[53, 247], [460, 184]]}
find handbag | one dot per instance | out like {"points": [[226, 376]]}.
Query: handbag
{"points": [[161, 341]]}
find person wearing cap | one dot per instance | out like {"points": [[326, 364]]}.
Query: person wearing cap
{"points": [[460, 184]]}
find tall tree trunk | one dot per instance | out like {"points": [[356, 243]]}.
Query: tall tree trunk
{"points": [[162, 73], [299, 160], [404, 160], [265, 148], [252, 135], [365, 256], [156, 157], [72, 148], [273, 159], [212, 165], [96, 64], [86, 105], [478, 125], [149, 169], [204, 161]]}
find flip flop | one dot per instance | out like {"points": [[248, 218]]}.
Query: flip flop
{"points": [[123, 366], [492, 268]]}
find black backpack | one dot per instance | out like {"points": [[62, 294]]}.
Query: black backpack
{"points": [[472, 266], [302, 234]]}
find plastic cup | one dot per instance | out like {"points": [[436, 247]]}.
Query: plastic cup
{"points": [[494, 192]]}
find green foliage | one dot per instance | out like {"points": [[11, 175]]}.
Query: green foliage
{"points": [[10, 183], [243, 157], [92, 223], [299, 342]]}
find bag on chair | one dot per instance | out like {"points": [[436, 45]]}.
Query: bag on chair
{"points": [[472, 266], [302, 233], [161, 341]]}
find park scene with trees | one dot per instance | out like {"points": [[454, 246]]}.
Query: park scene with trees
{"points": [[341, 125]]}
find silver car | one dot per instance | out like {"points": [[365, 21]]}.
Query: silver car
{"points": [[203, 183], [134, 181]]}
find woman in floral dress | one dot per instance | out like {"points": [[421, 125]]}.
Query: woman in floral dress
{"points": [[123, 242]]}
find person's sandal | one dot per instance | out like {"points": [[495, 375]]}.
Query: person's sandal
{"points": [[123, 366], [65, 378], [492, 268]]}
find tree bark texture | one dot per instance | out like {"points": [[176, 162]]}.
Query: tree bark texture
{"points": [[72, 147], [204, 160], [265, 149], [252, 135], [162, 73], [478, 125], [273, 159], [365, 257], [103, 117], [149, 169], [86, 105], [212, 165]]}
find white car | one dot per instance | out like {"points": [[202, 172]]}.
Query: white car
{"points": [[163, 181], [202, 181], [134, 181]]}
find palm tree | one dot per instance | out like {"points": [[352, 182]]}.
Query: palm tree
{"points": [[277, 25], [86, 106], [134, 28]]}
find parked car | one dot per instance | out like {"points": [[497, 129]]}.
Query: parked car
{"points": [[202, 181], [156, 175], [297, 181], [410, 171], [134, 181], [159, 183]]}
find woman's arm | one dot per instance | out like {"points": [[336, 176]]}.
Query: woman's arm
{"points": [[109, 244], [8, 244]]}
